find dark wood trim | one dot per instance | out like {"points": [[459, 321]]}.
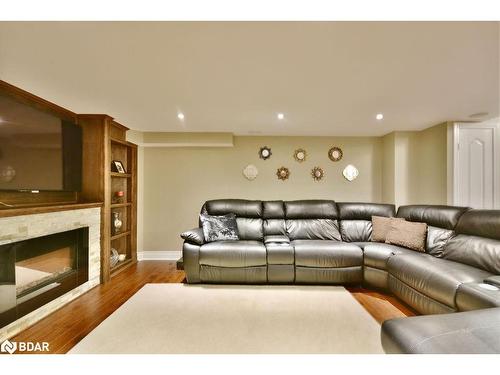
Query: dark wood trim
{"points": [[30, 210]]}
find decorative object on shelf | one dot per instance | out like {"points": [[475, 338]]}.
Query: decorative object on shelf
{"points": [[118, 197], [265, 153], [114, 258], [122, 257], [283, 173], [350, 172], [117, 166], [7, 174], [250, 172], [317, 173], [300, 155], [335, 154], [117, 223]]}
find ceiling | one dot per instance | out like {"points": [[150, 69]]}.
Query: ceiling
{"points": [[328, 78]]}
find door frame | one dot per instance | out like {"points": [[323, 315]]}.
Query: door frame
{"points": [[453, 155]]}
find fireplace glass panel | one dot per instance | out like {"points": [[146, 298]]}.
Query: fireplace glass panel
{"points": [[36, 271]]}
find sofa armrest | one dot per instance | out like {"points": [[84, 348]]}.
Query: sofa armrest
{"points": [[194, 236], [277, 239]]}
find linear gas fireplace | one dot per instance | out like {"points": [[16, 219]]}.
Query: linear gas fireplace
{"points": [[38, 270]]}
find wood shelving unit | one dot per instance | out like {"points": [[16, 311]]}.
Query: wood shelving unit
{"points": [[104, 139]]}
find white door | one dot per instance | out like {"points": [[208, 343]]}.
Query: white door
{"points": [[476, 174]]}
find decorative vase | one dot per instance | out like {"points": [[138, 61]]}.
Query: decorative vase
{"points": [[117, 222]]}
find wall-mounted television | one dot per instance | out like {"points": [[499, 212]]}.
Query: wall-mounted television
{"points": [[39, 151]]}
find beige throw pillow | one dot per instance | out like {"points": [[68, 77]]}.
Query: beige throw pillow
{"points": [[408, 234], [381, 226]]}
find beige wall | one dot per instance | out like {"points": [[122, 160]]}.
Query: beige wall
{"points": [[401, 168], [415, 167], [178, 180]]}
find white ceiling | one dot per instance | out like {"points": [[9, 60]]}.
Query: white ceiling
{"points": [[328, 78]]}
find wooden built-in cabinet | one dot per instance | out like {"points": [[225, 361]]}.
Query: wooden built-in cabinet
{"points": [[104, 142]]}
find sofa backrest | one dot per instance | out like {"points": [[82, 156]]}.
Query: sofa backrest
{"points": [[273, 213], [312, 219], [248, 215], [356, 219], [477, 240], [441, 221]]}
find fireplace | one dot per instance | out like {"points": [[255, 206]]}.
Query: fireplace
{"points": [[33, 272]]}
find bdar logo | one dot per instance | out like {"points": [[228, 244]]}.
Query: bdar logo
{"points": [[8, 347]]}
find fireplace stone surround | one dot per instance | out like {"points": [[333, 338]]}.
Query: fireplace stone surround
{"points": [[19, 228]]}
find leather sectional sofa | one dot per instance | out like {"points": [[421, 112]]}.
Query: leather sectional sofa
{"points": [[326, 242]]}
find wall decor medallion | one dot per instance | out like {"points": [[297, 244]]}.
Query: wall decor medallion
{"points": [[317, 173], [250, 172], [300, 155], [265, 153], [283, 173], [335, 154], [350, 172]]}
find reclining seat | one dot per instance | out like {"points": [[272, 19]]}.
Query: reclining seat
{"points": [[356, 227], [242, 261], [320, 255], [426, 281]]}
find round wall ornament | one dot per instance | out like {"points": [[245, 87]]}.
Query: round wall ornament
{"points": [[350, 172], [283, 173], [250, 172], [317, 173], [265, 153], [335, 154], [300, 155]]}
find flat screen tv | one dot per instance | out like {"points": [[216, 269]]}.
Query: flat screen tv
{"points": [[38, 150]]}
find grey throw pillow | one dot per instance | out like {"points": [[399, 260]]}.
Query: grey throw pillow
{"points": [[219, 228], [407, 234], [381, 226]]}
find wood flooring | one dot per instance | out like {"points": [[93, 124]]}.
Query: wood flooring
{"points": [[67, 326]]}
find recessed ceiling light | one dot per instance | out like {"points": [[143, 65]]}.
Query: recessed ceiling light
{"points": [[281, 116], [180, 116], [379, 116]]}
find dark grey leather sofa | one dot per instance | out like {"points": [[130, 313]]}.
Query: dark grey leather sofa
{"points": [[324, 242]]}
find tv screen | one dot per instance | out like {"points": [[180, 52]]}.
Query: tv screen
{"points": [[38, 150]]}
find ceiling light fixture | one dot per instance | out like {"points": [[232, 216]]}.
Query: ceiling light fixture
{"points": [[180, 116], [281, 116], [379, 116]]}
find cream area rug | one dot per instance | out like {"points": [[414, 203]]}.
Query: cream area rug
{"points": [[193, 319]]}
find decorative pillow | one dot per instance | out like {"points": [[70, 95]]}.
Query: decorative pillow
{"points": [[219, 228], [408, 234], [381, 226]]}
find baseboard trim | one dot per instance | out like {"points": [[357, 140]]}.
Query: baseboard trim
{"points": [[158, 255]]}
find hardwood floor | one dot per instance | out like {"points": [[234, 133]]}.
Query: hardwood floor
{"points": [[67, 326]]}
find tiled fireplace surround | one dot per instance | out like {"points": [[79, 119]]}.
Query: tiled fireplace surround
{"points": [[18, 228]]}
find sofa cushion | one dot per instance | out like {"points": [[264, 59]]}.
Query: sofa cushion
{"points": [[273, 210], [311, 209], [364, 211], [233, 254], [407, 234], [313, 229], [274, 227], [475, 251], [356, 230], [457, 333], [327, 254], [436, 240], [219, 228], [481, 223], [380, 227], [376, 254], [438, 216], [250, 228], [436, 278], [239, 207]]}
